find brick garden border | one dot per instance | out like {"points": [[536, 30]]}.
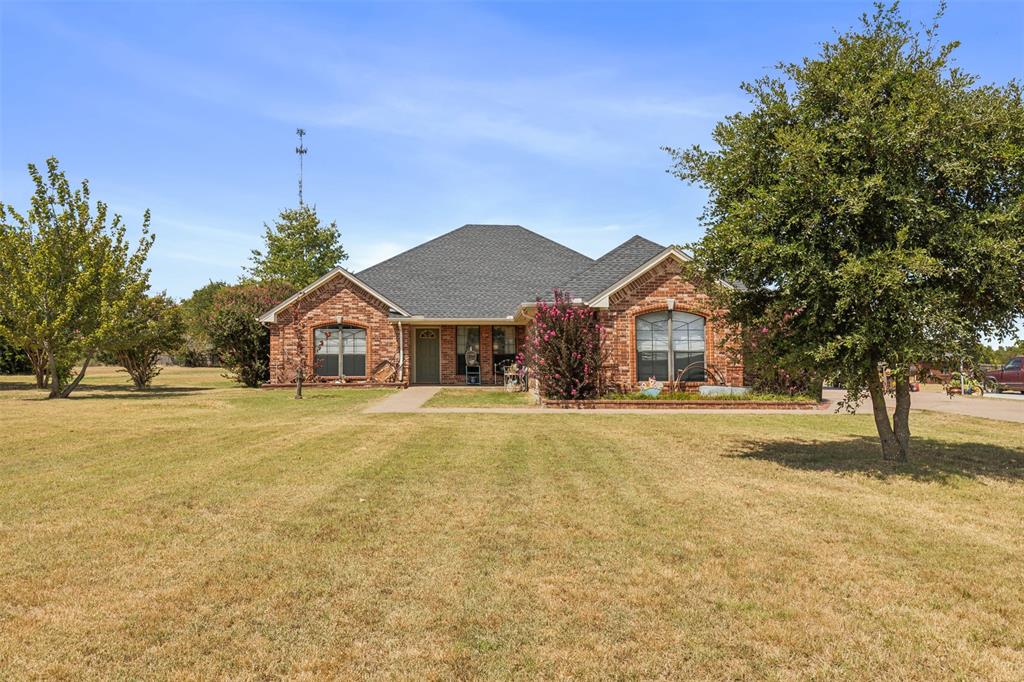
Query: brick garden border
{"points": [[331, 384], [685, 404]]}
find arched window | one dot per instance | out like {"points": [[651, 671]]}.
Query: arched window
{"points": [[668, 342], [340, 346]]}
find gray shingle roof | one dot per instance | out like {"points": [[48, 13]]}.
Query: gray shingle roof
{"points": [[476, 271], [611, 267]]}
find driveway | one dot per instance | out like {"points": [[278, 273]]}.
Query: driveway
{"points": [[1006, 407]]}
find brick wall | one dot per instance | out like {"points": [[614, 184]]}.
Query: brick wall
{"points": [[448, 363], [292, 335], [341, 299], [648, 293]]}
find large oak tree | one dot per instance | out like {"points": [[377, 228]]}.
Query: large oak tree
{"points": [[872, 203]]}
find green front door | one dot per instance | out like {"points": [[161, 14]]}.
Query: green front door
{"points": [[428, 356]]}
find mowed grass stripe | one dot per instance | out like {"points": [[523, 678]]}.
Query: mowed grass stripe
{"points": [[235, 533]]}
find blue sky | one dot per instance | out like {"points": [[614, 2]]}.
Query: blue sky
{"points": [[420, 117]]}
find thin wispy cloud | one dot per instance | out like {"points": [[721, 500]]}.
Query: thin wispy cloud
{"points": [[421, 116]]}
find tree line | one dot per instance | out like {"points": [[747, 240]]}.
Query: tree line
{"points": [[76, 291]]}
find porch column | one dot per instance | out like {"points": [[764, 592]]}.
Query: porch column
{"points": [[486, 355]]}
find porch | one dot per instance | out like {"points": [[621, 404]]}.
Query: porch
{"points": [[442, 354]]}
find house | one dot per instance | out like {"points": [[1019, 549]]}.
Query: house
{"points": [[472, 292]]}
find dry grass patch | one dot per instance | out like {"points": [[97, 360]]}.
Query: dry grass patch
{"points": [[217, 531]]}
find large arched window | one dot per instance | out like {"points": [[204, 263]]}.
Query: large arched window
{"points": [[340, 346], [668, 342]]}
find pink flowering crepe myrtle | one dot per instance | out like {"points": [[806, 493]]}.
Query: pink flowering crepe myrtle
{"points": [[565, 349]]}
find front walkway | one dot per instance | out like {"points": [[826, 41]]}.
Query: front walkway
{"points": [[407, 400]]}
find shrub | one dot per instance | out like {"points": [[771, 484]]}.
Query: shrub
{"points": [[13, 360], [565, 349], [242, 342], [773, 363], [196, 350], [153, 327]]}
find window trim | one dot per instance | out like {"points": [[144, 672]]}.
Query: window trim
{"points": [[671, 349], [341, 348]]}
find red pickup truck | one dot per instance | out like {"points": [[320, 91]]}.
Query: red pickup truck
{"points": [[1011, 376]]}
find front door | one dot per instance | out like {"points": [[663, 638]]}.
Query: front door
{"points": [[428, 356]]}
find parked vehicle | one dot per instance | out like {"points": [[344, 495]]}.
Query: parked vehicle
{"points": [[1010, 377]]}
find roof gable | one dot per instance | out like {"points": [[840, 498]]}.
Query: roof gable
{"points": [[611, 267], [271, 315]]}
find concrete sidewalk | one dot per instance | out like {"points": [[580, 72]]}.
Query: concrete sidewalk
{"points": [[407, 400]]}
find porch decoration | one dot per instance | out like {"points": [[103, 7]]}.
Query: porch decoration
{"points": [[516, 378], [652, 387], [384, 372], [472, 367]]}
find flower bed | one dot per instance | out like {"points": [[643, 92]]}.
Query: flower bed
{"points": [[693, 395], [755, 401]]}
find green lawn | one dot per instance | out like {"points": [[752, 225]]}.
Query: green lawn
{"points": [[203, 530], [478, 397]]}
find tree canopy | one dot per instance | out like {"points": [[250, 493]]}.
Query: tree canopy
{"points": [[871, 202], [299, 249], [242, 342], [196, 349], [69, 278], [152, 328]]}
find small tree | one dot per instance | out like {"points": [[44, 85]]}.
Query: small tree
{"points": [[69, 278], [196, 350], [241, 341], [154, 327], [565, 349], [879, 192], [299, 249]]}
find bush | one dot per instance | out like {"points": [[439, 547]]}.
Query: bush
{"points": [[196, 350], [242, 342], [13, 360], [774, 364], [565, 350], [153, 328]]}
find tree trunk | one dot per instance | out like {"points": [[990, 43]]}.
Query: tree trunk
{"points": [[78, 379], [890, 445], [51, 359], [38, 359], [298, 383], [901, 419]]}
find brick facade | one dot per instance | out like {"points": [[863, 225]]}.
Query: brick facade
{"points": [[338, 301], [342, 301], [648, 293], [449, 336]]}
